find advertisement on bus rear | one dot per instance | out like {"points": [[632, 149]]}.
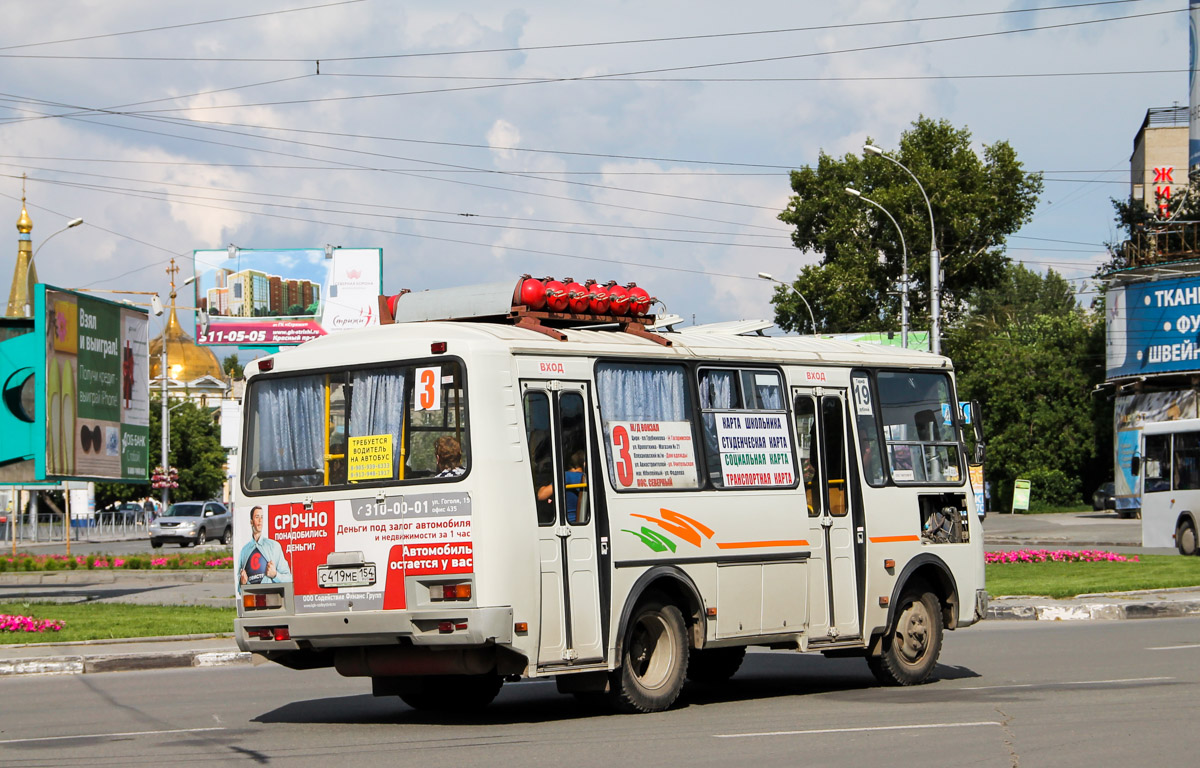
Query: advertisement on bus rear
{"points": [[354, 553]]}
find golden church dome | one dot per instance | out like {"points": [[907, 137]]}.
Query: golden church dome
{"points": [[24, 224], [186, 360]]}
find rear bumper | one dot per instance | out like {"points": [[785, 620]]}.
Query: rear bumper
{"points": [[468, 627]]}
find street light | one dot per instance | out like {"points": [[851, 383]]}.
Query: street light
{"points": [[29, 267], [935, 264], [766, 276], [903, 269]]}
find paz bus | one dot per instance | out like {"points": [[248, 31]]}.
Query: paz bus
{"points": [[1169, 465], [550, 484]]}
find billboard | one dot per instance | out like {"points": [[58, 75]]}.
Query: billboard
{"points": [[285, 297], [1153, 327], [93, 404]]}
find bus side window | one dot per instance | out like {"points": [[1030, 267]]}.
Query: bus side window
{"points": [[541, 455], [806, 436], [1187, 461]]}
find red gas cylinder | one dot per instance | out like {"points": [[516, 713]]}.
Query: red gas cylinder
{"points": [[556, 296], [597, 297], [533, 292], [577, 297], [618, 299], [639, 300]]}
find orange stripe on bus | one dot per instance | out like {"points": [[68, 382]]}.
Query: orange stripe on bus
{"points": [[889, 539], [756, 544]]}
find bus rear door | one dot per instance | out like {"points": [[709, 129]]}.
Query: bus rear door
{"points": [[556, 422]]}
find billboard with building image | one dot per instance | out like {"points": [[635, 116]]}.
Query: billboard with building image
{"points": [[280, 297]]}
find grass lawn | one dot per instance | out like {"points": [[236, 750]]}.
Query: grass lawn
{"points": [[1070, 579], [92, 621]]}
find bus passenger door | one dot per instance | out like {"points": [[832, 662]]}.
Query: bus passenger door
{"points": [[833, 583], [556, 423]]}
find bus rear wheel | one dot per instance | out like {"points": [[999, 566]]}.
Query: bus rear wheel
{"points": [[654, 659], [912, 646], [1185, 538], [451, 693]]}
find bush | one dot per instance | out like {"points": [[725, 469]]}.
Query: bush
{"points": [[1051, 488]]}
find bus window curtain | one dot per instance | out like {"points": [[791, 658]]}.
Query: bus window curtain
{"points": [[292, 421], [377, 407]]}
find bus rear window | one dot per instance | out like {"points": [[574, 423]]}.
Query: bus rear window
{"points": [[364, 426]]}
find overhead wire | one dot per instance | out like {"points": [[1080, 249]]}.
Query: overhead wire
{"points": [[561, 46]]}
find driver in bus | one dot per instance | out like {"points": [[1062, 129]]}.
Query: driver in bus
{"points": [[261, 560]]}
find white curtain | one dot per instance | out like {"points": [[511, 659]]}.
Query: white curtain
{"points": [[716, 390], [291, 423], [377, 407], [642, 393]]}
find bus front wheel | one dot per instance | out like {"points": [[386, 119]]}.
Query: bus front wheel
{"points": [[654, 659], [911, 648], [1185, 538]]}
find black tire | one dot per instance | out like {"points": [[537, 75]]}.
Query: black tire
{"points": [[451, 693], [913, 644], [654, 659], [201, 538], [156, 543], [1185, 538], [227, 537], [714, 665]]}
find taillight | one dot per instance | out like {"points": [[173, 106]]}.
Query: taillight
{"points": [[450, 591]]}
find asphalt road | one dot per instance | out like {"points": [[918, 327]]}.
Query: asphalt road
{"points": [[1008, 694]]}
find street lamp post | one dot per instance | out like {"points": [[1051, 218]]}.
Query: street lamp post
{"points": [[29, 267], [903, 269], [935, 259], [767, 276]]}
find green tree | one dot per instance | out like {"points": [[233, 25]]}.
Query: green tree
{"points": [[1032, 357], [977, 202], [195, 451], [232, 366]]}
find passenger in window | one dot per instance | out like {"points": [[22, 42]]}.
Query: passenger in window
{"points": [[447, 451], [575, 481]]}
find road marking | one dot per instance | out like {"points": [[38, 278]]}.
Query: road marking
{"points": [[1174, 647], [1066, 682], [109, 735], [819, 731]]}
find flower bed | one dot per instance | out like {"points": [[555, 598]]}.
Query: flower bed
{"points": [[1057, 556], [11, 623], [24, 562]]}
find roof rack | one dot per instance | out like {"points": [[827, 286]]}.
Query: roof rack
{"points": [[532, 304]]}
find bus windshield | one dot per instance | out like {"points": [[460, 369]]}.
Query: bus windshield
{"points": [[362, 426]]}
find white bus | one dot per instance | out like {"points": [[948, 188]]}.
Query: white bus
{"points": [[442, 506], [1169, 465]]}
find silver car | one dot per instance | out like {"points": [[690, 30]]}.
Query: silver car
{"points": [[188, 523]]}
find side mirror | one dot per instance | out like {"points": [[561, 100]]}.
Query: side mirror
{"points": [[1135, 466]]}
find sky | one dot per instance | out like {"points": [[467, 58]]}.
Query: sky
{"points": [[478, 141]]}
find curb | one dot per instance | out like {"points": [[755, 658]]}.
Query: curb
{"points": [[1163, 609], [111, 576], [81, 665]]}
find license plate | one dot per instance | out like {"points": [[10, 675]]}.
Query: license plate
{"points": [[330, 577]]}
